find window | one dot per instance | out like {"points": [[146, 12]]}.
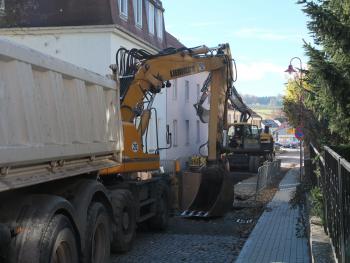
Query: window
{"points": [[175, 90], [2, 6], [150, 18], [187, 132], [198, 132], [138, 12], [198, 92], [175, 132], [255, 130], [187, 90], [159, 20], [123, 8]]}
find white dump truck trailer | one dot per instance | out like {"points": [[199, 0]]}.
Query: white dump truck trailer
{"points": [[59, 126]]}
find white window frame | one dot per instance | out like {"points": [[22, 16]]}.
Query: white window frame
{"points": [[175, 130], [123, 13], [138, 12], [187, 90], [159, 23], [175, 90], [198, 131], [2, 6], [187, 130], [198, 92], [150, 19]]}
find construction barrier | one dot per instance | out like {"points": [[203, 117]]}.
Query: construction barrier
{"points": [[268, 175]]}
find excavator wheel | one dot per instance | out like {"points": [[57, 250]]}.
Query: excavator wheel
{"points": [[215, 194], [160, 221]]}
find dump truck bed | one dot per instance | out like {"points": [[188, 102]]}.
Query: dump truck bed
{"points": [[51, 111]]}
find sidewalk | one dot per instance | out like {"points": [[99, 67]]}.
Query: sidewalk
{"points": [[275, 236]]}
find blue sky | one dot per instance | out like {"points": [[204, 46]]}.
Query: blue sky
{"points": [[263, 34]]}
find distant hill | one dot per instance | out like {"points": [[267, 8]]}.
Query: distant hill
{"points": [[268, 101], [269, 107]]}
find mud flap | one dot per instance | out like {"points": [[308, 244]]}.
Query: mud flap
{"points": [[215, 194]]}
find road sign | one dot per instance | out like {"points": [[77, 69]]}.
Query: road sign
{"points": [[290, 131], [299, 134]]}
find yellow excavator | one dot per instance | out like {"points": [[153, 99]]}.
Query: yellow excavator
{"points": [[143, 75], [245, 145]]}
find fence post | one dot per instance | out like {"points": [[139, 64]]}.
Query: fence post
{"points": [[341, 205], [257, 183]]}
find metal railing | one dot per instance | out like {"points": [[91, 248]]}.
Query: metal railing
{"points": [[331, 173], [268, 175]]}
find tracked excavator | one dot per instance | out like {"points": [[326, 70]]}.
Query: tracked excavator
{"points": [[143, 75]]}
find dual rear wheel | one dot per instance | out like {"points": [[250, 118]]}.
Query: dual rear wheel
{"points": [[64, 248], [55, 239]]}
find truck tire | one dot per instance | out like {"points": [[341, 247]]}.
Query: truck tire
{"points": [[59, 243], [46, 231], [125, 217], [97, 237], [161, 220]]}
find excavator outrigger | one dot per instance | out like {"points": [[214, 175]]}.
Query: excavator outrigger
{"points": [[143, 75]]}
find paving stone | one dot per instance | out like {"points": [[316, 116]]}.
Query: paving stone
{"points": [[275, 237]]}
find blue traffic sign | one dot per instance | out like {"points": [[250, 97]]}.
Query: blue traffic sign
{"points": [[299, 134]]}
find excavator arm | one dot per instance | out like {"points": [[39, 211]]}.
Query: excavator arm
{"points": [[154, 72]]}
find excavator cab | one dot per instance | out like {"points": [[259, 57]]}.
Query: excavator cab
{"points": [[243, 136]]}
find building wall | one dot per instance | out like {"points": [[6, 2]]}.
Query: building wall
{"points": [[89, 50], [180, 109]]}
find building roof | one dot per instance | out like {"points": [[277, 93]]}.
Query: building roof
{"points": [[172, 41], [56, 13], [270, 123]]}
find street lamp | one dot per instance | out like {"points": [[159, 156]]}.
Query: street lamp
{"points": [[290, 70]]}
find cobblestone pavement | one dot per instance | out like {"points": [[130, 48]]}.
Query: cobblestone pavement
{"points": [[189, 241]]}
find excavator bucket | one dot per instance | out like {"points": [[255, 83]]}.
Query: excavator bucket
{"points": [[214, 196]]}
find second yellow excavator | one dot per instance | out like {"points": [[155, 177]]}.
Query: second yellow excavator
{"points": [[143, 75]]}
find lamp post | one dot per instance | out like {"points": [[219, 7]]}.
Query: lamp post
{"points": [[290, 70]]}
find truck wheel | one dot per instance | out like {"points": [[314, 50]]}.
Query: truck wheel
{"points": [[160, 221], [59, 244], [125, 217], [97, 239]]}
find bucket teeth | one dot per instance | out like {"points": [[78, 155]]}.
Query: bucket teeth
{"points": [[185, 213], [189, 213]]}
